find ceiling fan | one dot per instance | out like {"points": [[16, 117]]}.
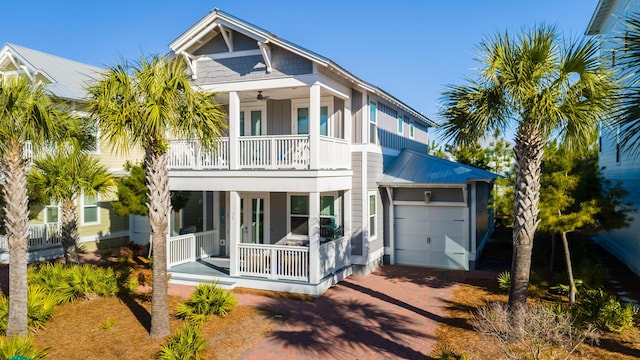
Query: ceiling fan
{"points": [[261, 97]]}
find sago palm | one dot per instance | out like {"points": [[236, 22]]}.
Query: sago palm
{"points": [[140, 105], [543, 88], [63, 176], [27, 113]]}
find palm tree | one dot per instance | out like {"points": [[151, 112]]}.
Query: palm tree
{"points": [[628, 117], [544, 88], [27, 113], [139, 105], [62, 176]]}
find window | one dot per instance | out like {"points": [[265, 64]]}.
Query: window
{"points": [[400, 125], [303, 120], [256, 122], [372, 215], [411, 129], [328, 221], [51, 212], [324, 121], [372, 123], [299, 214], [90, 209], [241, 123]]}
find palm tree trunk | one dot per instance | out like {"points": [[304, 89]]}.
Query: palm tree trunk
{"points": [[159, 207], [567, 256], [69, 231], [17, 225], [528, 149]]}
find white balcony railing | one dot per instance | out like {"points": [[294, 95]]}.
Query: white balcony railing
{"points": [[188, 154], [260, 152], [334, 255], [188, 248]]}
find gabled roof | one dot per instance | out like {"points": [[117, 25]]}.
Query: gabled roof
{"points": [[413, 168], [600, 16], [64, 78], [209, 24]]}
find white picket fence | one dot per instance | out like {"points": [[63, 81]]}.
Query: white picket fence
{"points": [[274, 261], [40, 237]]}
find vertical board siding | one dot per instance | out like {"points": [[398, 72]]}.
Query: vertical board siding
{"points": [[374, 172], [338, 118], [278, 208], [356, 115], [279, 117]]}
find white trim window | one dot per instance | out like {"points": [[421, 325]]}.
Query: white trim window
{"points": [[52, 213], [373, 212], [412, 128], [298, 219], [90, 209], [330, 218], [373, 126], [400, 125], [300, 117]]}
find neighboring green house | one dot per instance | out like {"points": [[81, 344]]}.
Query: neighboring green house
{"points": [[66, 79]]}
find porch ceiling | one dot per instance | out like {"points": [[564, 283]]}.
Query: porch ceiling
{"points": [[268, 93]]}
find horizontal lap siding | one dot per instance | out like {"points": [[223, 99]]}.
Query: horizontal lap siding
{"points": [[374, 172], [356, 200], [278, 219], [279, 117]]}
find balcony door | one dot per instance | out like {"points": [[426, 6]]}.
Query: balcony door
{"points": [[253, 121], [254, 218]]}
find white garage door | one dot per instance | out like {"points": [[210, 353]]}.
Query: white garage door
{"points": [[431, 236]]}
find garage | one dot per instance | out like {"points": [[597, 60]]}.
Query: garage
{"points": [[432, 236], [436, 211]]}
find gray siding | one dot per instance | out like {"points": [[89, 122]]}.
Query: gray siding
{"points": [[437, 194], [278, 217], [338, 118], [374, 171], [251, 67], [356, 114], [387, 129], [218, 45], [356, 204], [278, 117]]}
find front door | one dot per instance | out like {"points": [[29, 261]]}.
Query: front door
{"points": [[252, 122], [253, 219]]}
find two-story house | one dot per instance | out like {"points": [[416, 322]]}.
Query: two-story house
{"points": [[619, 164], [67, 80], [320, 174]]}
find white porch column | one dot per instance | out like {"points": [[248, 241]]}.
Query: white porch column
{"points": [[234, 232], [234, 130], [314, 237], [314, 126]]}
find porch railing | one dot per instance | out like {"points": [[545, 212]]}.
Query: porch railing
{"points": [[260, 152], [334, 255], [40, 237], [334, 153], [188, 154], [274, 261], [188, 248]]}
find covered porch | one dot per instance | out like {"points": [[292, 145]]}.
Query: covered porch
{"points": [[270, 240]]}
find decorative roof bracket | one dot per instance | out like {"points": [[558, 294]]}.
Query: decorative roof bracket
{"points": [[191, 63], [265, 50], [228, 36]]}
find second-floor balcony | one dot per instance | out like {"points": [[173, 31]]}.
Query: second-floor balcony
{"points": [[282, 152]]}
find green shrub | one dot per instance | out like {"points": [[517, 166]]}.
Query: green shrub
{"points": [[592, 275], [504, 280], [185, 344], [446, 352], [74, 281], [19, 346], [40, 308], [108, 324], [605, 311], [206, 300]]}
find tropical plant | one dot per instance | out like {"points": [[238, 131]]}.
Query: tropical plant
{"points": [[19, 347], [140, 105], [186, 344], [72, 282], [63, 176], [544, 88], [604, 310], [627, 121], [206, 300], [41, 305], [27, 114]]}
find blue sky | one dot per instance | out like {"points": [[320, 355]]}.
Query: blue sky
{"points": [[409, 48]]}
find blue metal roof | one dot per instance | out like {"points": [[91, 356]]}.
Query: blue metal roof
{"points": [[413, 168]]}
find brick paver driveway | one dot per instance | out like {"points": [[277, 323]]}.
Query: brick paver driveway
{"points": [[389, 314]]}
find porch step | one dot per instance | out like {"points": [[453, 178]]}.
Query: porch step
{"points": [[195, 280]]}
